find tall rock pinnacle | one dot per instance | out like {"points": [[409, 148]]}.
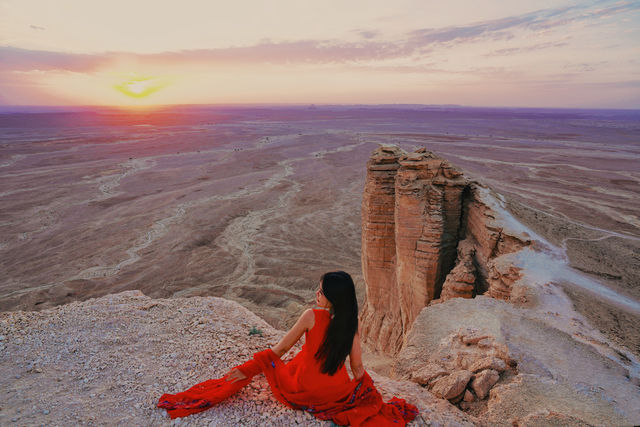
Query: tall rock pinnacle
{"points": [[428, 206], [421, 216], [379, 249]]}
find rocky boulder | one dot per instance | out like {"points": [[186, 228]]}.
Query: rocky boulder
{"points": [[451, 386], [483, 381], [466, 360]]}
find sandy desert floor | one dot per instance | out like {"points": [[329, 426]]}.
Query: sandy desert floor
{"points": [[254, 204]]}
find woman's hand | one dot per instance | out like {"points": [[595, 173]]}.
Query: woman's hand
{"points": [[235, 375]]}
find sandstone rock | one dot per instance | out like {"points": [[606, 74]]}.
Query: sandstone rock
{"points": [[381, 312], [484, 343], [458, 351], [143, 353], [457, 399], [465, 406], [501, 277], [428, 233], [483, 382], [449, 296], [485, 234], [460, 283], [468, 396], [433, 410], [490, 362], [459, 358], [541, 350], [411, 211], [428, 373], [427, 228], [452, 385]]}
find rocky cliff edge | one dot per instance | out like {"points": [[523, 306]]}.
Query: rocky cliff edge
{"points": [[106, 361]]}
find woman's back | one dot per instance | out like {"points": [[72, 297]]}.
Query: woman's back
{"points": [[305, 369]]}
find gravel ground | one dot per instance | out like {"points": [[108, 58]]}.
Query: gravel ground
{"points": [[106, 361]]}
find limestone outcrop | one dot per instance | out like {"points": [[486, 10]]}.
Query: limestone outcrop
{"points": [[519, 364], [428, 234], [465, 366]]}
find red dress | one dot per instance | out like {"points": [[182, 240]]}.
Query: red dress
{"points": [[304, 371], [300, 384]]}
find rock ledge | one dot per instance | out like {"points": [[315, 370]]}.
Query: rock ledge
{"points": [[106, 361]]}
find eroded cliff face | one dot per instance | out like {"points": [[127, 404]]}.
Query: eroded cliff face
{"points": [[428, 208], [424, 226], [465, 299], [378, 243]]}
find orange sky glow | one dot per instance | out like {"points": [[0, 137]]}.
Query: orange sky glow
{"points": [[550, 53]]}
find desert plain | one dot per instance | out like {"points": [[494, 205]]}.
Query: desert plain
{"points": [[253, 204]]}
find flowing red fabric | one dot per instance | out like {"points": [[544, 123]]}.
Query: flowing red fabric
{"points": [[300, 384]]}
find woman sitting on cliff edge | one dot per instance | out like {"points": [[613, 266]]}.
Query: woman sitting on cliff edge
{"points": [[316, 379]]}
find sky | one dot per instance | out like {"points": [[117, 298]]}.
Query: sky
{"points": [[519, 53]]}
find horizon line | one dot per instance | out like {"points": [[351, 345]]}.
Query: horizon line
{"points": [[9, 108]]}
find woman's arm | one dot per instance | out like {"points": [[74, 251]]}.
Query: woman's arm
{"points": [[355, 357], [304, 323]]}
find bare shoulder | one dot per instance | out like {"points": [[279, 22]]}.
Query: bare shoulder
{"points": [[308, 318]]}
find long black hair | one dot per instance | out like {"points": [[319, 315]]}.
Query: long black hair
{"points": [[338, 288]]}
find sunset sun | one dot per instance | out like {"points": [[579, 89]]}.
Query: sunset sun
{"points": [[141, 87]]}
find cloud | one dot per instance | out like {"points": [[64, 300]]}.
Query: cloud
{"points": [[585, 66], [472, 32], [17, 59], [304, 51], [36, 27], [620, 7], [296, 52], [419, 43], [526, 49], [504, 28], [367, 34]]}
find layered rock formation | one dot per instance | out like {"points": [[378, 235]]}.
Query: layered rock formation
{"points": [[428, 207], [421, 218], [378, 243], [468, 303], [460, 283]]}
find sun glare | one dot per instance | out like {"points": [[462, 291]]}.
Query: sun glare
{"points": [[141, 87]]}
